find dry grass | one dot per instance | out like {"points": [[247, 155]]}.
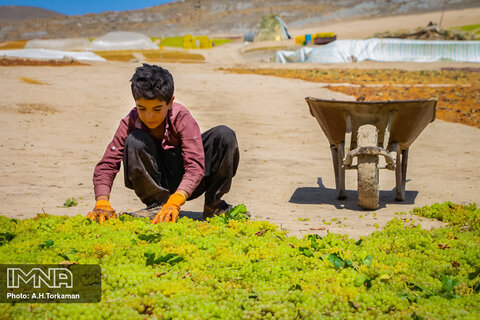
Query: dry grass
{"points": [[30, 108], [32, 81], [458, 104], [269, 48], [153, 55], [20, 44], [123, 56], [12, 62], [457, 90], [173, 56], [366, 76]]}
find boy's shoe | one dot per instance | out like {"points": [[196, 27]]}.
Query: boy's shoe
{"points": [[223, 207], [148, 212], [209, 212]]}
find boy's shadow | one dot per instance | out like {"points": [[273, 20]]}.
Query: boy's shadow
{"points": [[323, 195], [194, 215]]}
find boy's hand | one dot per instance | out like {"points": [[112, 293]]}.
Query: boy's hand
{"points": [[102, 211], [171, 209]]}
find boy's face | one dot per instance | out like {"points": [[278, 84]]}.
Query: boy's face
{"points": [[153, 112]]}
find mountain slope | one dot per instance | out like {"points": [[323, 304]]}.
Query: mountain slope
{"points": [[19, 13], [216, 16]]}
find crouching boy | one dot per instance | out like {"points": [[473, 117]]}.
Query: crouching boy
{"points": [[166, 159]]}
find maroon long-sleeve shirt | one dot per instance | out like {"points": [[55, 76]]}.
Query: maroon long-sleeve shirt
{"points": [[181, 129]]}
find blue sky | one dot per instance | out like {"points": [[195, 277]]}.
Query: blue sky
{"points": [[85, 6]]}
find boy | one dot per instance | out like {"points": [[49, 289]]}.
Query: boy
{"points": [[165, 158]]}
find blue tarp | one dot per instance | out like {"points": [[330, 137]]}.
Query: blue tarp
{"points": [[385, 50]]}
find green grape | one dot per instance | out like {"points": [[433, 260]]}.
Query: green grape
{"points": [[242, 269]]}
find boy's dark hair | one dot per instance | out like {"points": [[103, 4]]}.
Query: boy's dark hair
{"points": [[152, 82]]}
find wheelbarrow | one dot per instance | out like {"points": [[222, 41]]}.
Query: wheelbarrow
{"points": [[364, 131]]}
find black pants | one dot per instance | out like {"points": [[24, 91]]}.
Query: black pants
{"points": [[154, 173]]}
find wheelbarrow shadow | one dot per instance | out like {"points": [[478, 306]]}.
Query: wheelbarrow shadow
{"points": [[324, 195]]}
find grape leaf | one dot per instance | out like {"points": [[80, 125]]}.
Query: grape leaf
{"points": [[46, 244], [150, 257], [448, 284], [368, 261], [6, 237], [313, 240], [360, 280], [415, 316], [473, 275], [64, 256], [295, 287], [170, 258], [238, 212], [306, 251], [175, 259], [72, 202], [348, 263], [476, 287], [336, 261], [152, 237]]}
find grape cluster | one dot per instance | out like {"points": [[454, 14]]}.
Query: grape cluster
{"points": [[242, 269]]}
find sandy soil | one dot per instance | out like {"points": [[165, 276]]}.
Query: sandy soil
{"points": [[344, 29], [53, 135], [363, 28]]}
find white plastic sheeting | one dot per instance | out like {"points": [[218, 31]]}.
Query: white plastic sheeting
{"points": [[82, 44], [122, 40], [385, 50], [50, 54]]}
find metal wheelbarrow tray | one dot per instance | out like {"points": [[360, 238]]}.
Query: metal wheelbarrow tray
{"points": [[366, 130]]}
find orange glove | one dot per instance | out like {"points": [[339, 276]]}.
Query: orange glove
{"points": [[171, 209], [102, 211]]}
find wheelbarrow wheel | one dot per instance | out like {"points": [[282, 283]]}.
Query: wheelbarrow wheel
{"points": [[367, 183]]}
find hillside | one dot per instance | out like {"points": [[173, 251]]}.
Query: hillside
{"points": [[20, 13], [213, 17]]}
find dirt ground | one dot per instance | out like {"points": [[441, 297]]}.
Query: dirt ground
{"points": [[54, 133]]}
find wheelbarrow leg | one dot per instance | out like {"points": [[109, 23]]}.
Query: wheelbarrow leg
{"points": [[401, 173], [404, 170], [337, 158], [367, 168]]}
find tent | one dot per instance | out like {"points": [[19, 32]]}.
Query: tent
{"points": [[272, 27], [122, 40], [81, 44]]}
